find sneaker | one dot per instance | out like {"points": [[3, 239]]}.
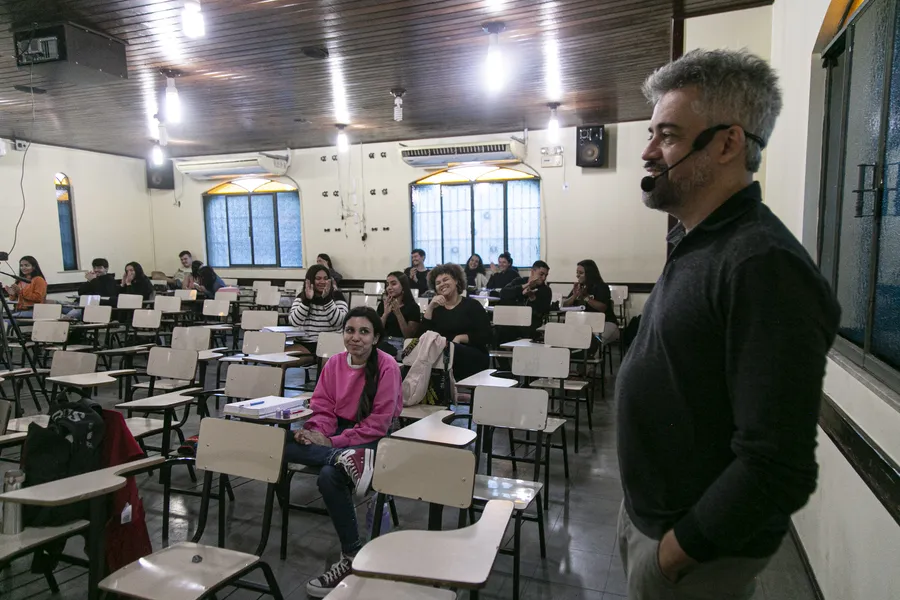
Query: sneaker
{"points": [[359, 465], [327, 581]]}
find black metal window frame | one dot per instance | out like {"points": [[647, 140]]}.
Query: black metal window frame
{"points": [[249, 195], [470, 184], [842, 44]]}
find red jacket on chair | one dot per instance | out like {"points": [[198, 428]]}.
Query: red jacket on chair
{"points": [[129, 541]]}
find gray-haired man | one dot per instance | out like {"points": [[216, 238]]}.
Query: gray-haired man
{"points": [[719, 395]]}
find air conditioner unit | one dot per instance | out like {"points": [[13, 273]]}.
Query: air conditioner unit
{"points": [[443, 155], [235, 165]]}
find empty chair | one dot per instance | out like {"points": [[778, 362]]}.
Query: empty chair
{"points": [[512, 409], [88, 300], [254, 320], [510, 316], [229, 448], [255, 342], [258, 285], [129, 301], [186, 294], [268, 297], [46, 312], [191, 338], [460, 558], [330, 343], [169, 370], [293, 286], [145, 324], [244, 382], [167, 304], [357, 300], [373, 288]]}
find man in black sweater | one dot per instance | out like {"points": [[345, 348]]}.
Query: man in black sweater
{"points": [[530, 291], [718, 397], [100, 282]]}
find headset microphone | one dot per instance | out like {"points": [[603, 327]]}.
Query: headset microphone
{"points": [[648, 183]]}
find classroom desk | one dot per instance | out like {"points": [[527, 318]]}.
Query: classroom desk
{"points": [[486, 378], [283, 360], [433, 430], [92, 486], [522, 344], [288, 331], [22, 423], [360, 588], [297, 414], [164, 403], [87, 381], [13, 438]]}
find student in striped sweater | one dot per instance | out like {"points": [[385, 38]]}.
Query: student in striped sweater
{"points": [[318, 308]]}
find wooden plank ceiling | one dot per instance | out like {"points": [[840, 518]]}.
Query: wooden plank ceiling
{"points": [[246, 85]]}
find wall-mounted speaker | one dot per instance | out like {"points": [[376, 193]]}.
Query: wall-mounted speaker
{"points": [[161, 177], [590, 144]]}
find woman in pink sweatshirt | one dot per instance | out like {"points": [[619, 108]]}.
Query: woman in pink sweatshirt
{"points": [[357, 398]]}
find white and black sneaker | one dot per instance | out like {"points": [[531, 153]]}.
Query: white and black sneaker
{"points": [[359, 464], [322, 585]]}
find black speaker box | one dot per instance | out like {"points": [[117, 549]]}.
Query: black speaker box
{"points": [[161, 177], [590, 144]]}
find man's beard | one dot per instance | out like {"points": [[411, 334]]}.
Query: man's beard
{"points": [[669, 195]]}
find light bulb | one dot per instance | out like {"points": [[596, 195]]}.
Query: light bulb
{"points": [[192, 23], [398, 108], [157, 156], [343, 144], [163, 135], [173, 102], [553, 127], [493, 65]]}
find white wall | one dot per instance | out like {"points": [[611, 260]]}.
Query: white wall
{"points": [[850, 539], [600, 215], [111, 209], [750, 29]]}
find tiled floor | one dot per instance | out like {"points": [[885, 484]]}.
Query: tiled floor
{"points": [[582, 556]]}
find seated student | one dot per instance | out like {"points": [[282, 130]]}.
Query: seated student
{"points": [[318, 307], [504, 274], [476, 277], [325, 260], [29, 292], [400, 314], [459, 319], [207, 281], [591, 292], [357, 398], [100, 282], [530, 291], [135, 282], [417, 273], [182, 279]]}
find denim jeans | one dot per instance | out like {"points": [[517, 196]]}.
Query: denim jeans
{"points": [[334, 484], [22, 314]]}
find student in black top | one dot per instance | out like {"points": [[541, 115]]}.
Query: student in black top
{"points": [[400, 314], [135, 282], [504, 275], [530, 291], [100, 282], [325, 260], [417, 273], [460, 320], [591, 292]]}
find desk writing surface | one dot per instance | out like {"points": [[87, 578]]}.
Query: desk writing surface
{"points": [[13, 438], [522, 344], [163, 401], [433, 430], [486, 378], [277, 358]]}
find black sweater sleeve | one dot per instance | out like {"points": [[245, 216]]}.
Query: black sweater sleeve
{"points": [[512, 291]]}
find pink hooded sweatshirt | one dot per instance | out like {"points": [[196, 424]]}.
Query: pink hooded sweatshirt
{"points": [[337, 395]]}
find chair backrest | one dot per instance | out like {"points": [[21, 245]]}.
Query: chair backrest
{"points": [[541, 362], [191, 338], [50, 332], [230, 282], [172, 363], [373, 288], [263, 342], [270, 296], [129, 301], [254, 320], [513, 316], [357, 300], [596, 320], [329, 344], [229, 296], [186, 294], [146, 319], [240, 449], [258, 285], [619, 293], [372, 301], [408, 469], [159, 283], [423, 303], [88, 300], [513, 408], [95, 313], [215, 308], [294, 286], [167, 304], [65, 362], [561, 289], [253, 381], [568, 335], [46, 312]]}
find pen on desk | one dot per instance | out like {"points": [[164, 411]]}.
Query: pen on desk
{"points": [[257, 403]]}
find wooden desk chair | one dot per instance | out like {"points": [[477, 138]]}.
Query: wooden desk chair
{"points": [[169, 370], [546, 362], [130, 301], [255, 342], [228, 296], [458, 558], [360, 588], [191, 570], [577, 339], [514, 410], [186, 294], [261, 285], [268, 297], [597, 323], [216, 314], [294, 286], [63, 363], [244, 382], [373, 288], [509, 316], [198, 339], [89, 300], [167, 304], [144, 327], [51, 336], [328, 344]]}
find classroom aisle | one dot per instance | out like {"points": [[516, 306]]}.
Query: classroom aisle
{"points": [[582, 555]]}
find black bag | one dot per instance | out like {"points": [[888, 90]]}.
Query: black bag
{"points": [[70, 445], [630, 332]]}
